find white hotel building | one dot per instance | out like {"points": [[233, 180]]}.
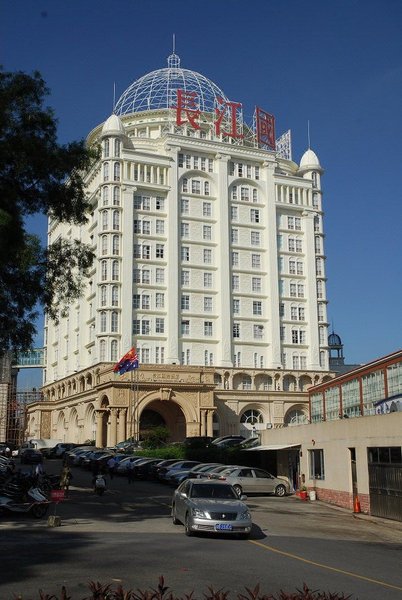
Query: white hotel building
{"points": [[209, 260]]}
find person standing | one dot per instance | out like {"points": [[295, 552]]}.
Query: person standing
{"points": [[65, 478], [130, 472], [111, 463]]}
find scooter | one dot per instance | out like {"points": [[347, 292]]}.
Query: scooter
{"points": [[100, 485], [34, 503]]}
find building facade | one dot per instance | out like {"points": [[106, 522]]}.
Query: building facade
{"points": [[209, 248]]}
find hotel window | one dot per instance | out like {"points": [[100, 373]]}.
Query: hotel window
{"points": [[146, 227], [146, 203], [256, 261], [105, 196], [137, 276], [244, 194], [159, 203], [315, 200], [210, 165], [257, 172], [117, 147], [300, 290], [136, 301], [291, 244], [185, 253], [235, 282], [137, 250], [256, 284], [160, 275], [185, 302], [299, 246], [317, 244], [255, 195], [234, 213], [235, 236], [293, 290], [145, 327], [185, 184], [106, 148], [195, 186], [103, 295], [115, 295], [236, 330], [116, 171], [146, 276], [116, 196], [104, 245], [145, 302], [207, 304], [114, 322], [104, 270], [203, 164], [317, 224], [235, 259], [146, 252], [320, 310], [255, 238], [281, 309], [255, 215], [116, 220], [240, 170], [320, 288], [113, 351], [318, 266], [236, 306], [103, 321], [160, 300], [185, 327], [207, 254], [207, 280], [207, 232], [159, 250], [234, 193], [258, 332], [299, 267], [291, 222], [185, 278], [105, 220], [102, 350], [301, 313], [159, 325], [208, 328], [282, 333], [206, 209], [292, 267], [184, 206], [115, 245], [145, 356], [159, 226], [293, 313], [185, 230], [206, 188], [160, 355], [181, 163], [106, 172], [257, 307], [115, 270]]}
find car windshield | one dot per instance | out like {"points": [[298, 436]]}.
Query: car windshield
{"points": [[213, 491]]}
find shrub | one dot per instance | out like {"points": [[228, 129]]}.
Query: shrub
{"points": [[100, 591]]}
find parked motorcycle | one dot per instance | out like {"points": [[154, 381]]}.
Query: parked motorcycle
{"points": [[32, 502], [100, 485]]}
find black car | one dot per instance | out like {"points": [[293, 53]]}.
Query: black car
{"points": [[30, 456]]}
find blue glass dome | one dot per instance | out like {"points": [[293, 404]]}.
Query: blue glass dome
{"points": [[158, 90]]}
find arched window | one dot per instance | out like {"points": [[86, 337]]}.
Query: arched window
{"points": [[115, 295], [106, 172], [255, 195], [116, 196], [206, 188], [117, 147], [103, 295], [102, 350], [116, 220], [252, 417], [114, 322], [103, 321], [115, 270], [116, 171], [105, 196], [104, 245], [314, 178], [115, 245], [105, 220], [185, 185], [104, 270], [113, 351], [106, 146]]}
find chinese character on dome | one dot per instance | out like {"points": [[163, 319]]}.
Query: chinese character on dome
{"points": [[186, 103], [233, 108]]}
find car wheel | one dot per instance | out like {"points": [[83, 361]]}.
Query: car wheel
{"points": [[39, 510], [174, 518], [187, 528], [280, 491], [237, 489]]}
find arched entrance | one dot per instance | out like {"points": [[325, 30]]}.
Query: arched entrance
{"points": [[159, 413]]}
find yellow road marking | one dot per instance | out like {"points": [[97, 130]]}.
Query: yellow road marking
{"points": [[322, 566]]}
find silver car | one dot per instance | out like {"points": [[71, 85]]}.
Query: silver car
{"points": [[210, 506], [253, 481]]}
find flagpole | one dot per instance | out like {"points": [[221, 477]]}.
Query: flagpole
{"points": [[131, 404]]}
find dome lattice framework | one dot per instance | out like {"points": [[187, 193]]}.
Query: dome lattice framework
{"points": [[158, 90]]}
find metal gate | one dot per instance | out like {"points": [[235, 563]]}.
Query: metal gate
{"points": [[385, 484]]}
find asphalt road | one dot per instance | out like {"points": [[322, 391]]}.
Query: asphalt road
{"points": [[127, 537]]}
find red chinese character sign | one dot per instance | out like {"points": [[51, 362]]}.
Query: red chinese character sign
{"points": [[227, 116], [265, 128]]}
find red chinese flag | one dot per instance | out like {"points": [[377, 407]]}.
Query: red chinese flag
{"points": [[265, 128]]}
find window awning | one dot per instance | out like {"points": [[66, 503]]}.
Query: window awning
{"points": [[273, 447]]}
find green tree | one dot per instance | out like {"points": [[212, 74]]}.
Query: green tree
{"points": [[37, 175]]}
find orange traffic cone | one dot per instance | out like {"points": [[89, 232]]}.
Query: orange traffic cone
{"points": [[356, 505]]}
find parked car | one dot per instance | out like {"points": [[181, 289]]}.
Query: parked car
{"points": [[253, 481], [142, 467], [223, 438], [60, 449], [30, 456], [154, 470], [177, 477], [125, 464], [210, 506], [181, 465]]}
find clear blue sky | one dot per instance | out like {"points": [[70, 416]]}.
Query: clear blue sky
{"points": [[335, 63]]}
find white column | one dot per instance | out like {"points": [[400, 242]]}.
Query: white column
{"points": [[311, 292], [172, 271]]}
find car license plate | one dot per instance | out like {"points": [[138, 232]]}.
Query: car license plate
{"points": [[223, 527]]}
